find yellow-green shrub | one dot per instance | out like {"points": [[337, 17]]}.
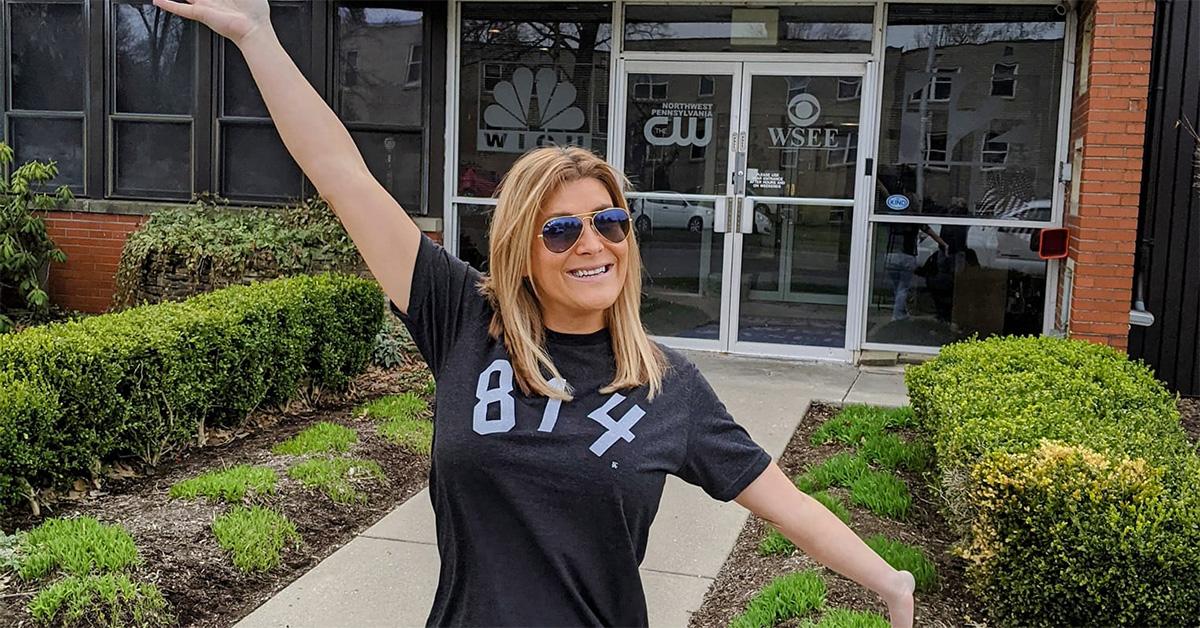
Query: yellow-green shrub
{"points": [[143, 381]]}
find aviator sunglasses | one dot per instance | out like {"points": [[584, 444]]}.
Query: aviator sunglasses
{"points": [[561, 233]]}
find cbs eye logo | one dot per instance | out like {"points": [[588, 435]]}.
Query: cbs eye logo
{"points": [[803, 109]]}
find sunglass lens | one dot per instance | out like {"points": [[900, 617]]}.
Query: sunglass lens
{"points": [[613, 224], [560, 234]]}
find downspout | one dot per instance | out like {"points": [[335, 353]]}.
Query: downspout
{"points": [[1138, 315]]}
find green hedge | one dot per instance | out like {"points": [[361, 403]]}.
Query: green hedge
{"points": [[1069, 478], [142, 382]]}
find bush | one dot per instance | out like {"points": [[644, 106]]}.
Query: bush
{"points": [[255, 536], [1068, 475], [147, 381], [105, 600]]}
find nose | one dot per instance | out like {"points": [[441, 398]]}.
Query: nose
{"points": [[590, 241]]}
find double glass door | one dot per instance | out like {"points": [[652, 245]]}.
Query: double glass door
{"points": [[745, 178]]}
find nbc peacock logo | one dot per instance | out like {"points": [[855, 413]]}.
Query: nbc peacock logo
{"points": [[530, 111]]}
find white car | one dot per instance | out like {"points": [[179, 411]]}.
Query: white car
{"points": [[664, 211], [1003, 247]]}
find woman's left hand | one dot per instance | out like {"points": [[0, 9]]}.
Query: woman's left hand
{"points": [[900, 600]]}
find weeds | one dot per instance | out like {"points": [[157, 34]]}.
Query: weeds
{"points": [[75, 546], [906, 558], [843, 618], [324, 437], [336, 476], [882, 493], [230, 485], [100, 600], [255, 536], [403, 421], [786, 597]]}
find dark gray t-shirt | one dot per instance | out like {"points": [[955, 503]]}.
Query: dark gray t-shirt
{"points": [[543, 507]]}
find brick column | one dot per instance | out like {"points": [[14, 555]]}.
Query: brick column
{"points": [[1108, 128], [93, 244]]}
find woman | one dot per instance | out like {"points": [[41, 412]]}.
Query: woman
{"points": [[557, 418]]}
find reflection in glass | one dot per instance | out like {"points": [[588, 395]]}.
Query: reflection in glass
{"points": [[682, 265], [803, 138], [153, 159], [155, 60], [46, 139], [255, 164], [970, 108], [374, 50], [677, 127], [738, 29], [528, 81], [240, 96], [934, 284], [796, 275], [48, 56], [395, 160], [473, 222]]}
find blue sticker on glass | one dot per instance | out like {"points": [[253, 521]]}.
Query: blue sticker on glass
{"points": [[897, 202]]}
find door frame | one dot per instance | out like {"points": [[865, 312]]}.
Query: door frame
{"points": [[742, 73]]}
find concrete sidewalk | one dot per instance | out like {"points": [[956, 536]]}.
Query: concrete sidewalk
{"points": [[387, 575]]}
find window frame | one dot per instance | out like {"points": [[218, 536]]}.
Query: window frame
{"points": [[1010, 78]]}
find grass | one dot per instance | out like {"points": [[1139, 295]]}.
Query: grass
{"points": [[882, 493], [77, 547], [336, 476], [255, 536], [775, 543], [907, 558], [403, 421], [840, 470], [324, 437], [844, 618], [854, 423], [100, 600], [786, 597], [230, 485], [892, 452]]}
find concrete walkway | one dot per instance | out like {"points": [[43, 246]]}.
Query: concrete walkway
{"points": [[387, 575]]}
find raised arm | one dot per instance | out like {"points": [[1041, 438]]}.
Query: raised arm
{"points": [[384, 234]]}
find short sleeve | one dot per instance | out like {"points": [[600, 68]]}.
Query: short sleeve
{"points": [[443, 304], [721, 457]]}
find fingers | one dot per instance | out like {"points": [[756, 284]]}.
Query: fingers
{"points": [[178, 8]]}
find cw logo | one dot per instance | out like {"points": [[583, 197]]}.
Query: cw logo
{"points": [[555, 100], [677, 136]]}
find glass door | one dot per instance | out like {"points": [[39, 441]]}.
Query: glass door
{"points": [[797, 179], [678, 120]]}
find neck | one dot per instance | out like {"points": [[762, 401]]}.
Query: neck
{"points": [[573, 323]]}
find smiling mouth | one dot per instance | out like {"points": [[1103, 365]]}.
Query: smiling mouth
{"points": [[584, 273]]}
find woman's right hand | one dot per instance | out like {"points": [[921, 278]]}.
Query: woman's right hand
{"points": [[233, 19]]}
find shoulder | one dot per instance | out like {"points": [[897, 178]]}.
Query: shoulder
{"points": [[681, 372]]}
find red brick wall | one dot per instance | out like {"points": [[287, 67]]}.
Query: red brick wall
{"points": [[92, 242], [1110, 118]]}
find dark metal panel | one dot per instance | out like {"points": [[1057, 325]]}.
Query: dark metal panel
{"points": [[1169, 226]]}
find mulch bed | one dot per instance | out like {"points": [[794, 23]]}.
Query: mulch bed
{"points": [[1189, 415], [745, 572], [179, 552]]}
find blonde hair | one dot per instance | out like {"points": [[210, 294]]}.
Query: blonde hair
{"points": [[517, 318]]}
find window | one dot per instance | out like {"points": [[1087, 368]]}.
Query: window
{"points": [[1004, 80], [414, 66], [845, 153], [530, 74], [935, 148], [175, 111], [941, 85], [707, 85], [995, 152], [698, 152], [849, 88], [650, 88]]}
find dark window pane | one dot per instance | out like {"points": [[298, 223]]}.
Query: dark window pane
{"points": [[48, 60], [946, 141], [154, 159], [473, 223], [44, 140], [374, 48], [528, 81], [255, 165], [986, 280], [293, 25], [396, 161], [743, 29], [155, 60]]}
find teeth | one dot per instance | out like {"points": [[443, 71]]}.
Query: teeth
{"points": [[590, 273]]}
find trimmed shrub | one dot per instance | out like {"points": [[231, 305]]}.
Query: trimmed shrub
{"points": [[28, 411], [1069, 478], [147, 381]]}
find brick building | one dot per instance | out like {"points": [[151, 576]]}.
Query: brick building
{"points": [[811, 180]]}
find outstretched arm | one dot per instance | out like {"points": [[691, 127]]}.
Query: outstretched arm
{"points": [[820, 534], [384, 234]]}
